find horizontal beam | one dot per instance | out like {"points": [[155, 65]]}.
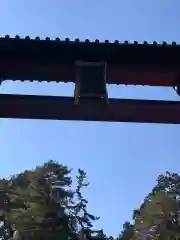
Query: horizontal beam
{"points": [[17, 68], [131, 64], [63, 108]]}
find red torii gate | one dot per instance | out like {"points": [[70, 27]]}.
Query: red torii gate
{"points": [[55, 60]]}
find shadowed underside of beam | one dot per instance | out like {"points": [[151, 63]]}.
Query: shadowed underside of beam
{"points": [[63, 108]]}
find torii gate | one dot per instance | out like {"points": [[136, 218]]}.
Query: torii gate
{"points": [[90, 65]]}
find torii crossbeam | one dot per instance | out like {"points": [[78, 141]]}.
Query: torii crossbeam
{"points": [[125, 63], [63, 108]]}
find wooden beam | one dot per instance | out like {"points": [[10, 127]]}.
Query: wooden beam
{"points": [[63, 108], [16, 68], [127, 63]]}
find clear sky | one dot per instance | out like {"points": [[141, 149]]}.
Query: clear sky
{"points": [[122, 160]]}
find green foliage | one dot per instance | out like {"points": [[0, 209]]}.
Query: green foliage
{"points": [[79, 216], [158, 216], [127, 232], [42, 204]]}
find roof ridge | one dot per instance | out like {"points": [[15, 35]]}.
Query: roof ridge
{"points": [[88, 41]]}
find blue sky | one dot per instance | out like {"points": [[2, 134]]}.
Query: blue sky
{"points": [[122, 159]]}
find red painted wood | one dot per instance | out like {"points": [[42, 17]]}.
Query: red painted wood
{"points": [[63, 108]]}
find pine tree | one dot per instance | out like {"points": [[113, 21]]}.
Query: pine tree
{"points": [[157, 216], [44, 217], [128, 231], [42, 204], [79, 216]]}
